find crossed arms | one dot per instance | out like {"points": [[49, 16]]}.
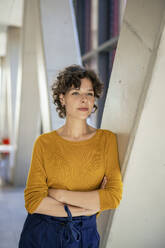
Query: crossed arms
{"points": [[79, 203]]}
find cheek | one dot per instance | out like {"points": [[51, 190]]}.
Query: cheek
{"points": [[92, 102], [71, 104]]}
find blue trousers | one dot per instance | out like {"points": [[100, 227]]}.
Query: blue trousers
{"points": [[44, 231]]}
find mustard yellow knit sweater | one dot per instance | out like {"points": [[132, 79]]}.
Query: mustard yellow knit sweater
{"points": [[74, 165]]}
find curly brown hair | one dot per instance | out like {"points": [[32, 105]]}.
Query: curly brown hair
{"points": [[72, 75]]}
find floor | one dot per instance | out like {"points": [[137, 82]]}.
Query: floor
{"points": [[12, 216]]}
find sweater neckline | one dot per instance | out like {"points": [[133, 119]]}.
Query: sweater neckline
{"points": [[86, 141]]}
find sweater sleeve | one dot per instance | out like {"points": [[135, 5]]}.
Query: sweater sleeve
{"points": [[36, 186], [111, 195]]}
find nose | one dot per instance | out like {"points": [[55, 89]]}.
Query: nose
{"points": [[84, 97]]}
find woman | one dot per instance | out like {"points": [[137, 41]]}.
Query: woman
{"points": [[74, 172]]}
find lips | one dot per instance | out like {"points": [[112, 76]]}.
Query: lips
{"points": [[83, 109]]}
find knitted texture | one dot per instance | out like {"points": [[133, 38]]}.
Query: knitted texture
{"points": [[74, 165]]}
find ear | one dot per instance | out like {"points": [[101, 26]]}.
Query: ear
{"points": [[62, 100]]}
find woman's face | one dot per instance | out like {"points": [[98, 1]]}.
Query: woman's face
{"points": [[74, 99]]}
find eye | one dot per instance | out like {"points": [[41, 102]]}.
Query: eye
{"points": [[74, 93], [91, 94]]}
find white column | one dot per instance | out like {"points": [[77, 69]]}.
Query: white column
{"points": [[11, 69], [28, 118], [42, 73], [134, 110], [3, 102], [13, 46]]}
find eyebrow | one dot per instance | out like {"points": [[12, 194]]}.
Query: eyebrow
{"points": [[79, 89]]}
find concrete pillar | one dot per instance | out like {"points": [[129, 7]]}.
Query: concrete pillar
{"points": [[28, 117], [0, 95], [122, 6], [42, 73], [3, 102], [3, 87], [3, 39], [13, 46], [133, 110], [11, 68]]}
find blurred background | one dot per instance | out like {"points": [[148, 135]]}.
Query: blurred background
{"points": [[124, 42]]}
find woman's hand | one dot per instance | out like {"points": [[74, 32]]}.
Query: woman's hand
{"points": [[57, 194], [103, 183]]}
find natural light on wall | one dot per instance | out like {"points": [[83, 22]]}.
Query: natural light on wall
{"points": [[3, 39]]}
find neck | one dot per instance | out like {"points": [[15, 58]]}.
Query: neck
{"points": [[75, 128]]}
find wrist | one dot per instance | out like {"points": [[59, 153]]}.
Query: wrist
{"points": [[57, 194]]}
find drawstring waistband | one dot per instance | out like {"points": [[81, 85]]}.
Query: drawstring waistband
{"points": [[71, 226], [49, 230], [70, 229]]}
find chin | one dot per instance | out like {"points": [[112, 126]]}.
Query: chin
{"points": [[83, 117]]}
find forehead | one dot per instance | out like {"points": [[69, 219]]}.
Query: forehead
{"points": [[85, 84]]}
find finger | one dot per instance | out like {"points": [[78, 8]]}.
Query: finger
{"points": [[105, 180], [104, 183], [105, 177]]}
